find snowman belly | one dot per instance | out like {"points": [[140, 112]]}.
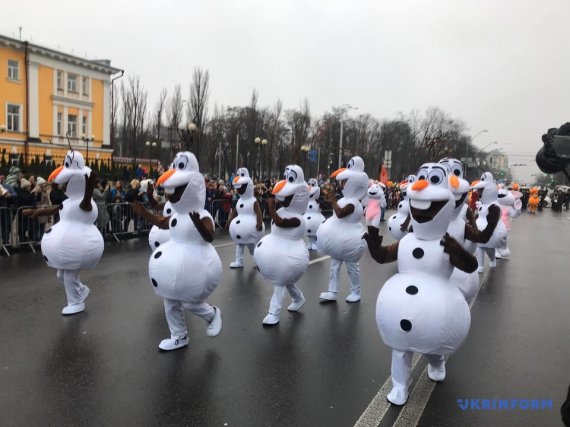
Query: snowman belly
{"points": [[281, 261], [341, 240], [243, 230], [185, 272], [313, 221], [72, 246], [157, 236], [422, 313]]}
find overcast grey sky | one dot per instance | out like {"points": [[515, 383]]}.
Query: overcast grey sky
{"points": [[501, 65]]}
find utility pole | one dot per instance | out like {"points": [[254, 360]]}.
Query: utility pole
{"points": [[340, 147]]}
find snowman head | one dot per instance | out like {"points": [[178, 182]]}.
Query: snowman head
{"points": [[314, 189], [184, 184], [354, 177], [487, 188], [505, 197], [292, 191], [403, 186], [431, 202], [243, 183], [458, 186], [375, 191], [72, 173]]}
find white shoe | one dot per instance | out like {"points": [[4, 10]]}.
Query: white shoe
{"points": [[85, 293], [436, 373], [172, 344], [296, 305], [73, 309], [353, 297], [271, 319], [215, 326], [236, 264], [506, 252], [328, 296], [398, 396], [498, 254], [480, 269], [492, 264]]}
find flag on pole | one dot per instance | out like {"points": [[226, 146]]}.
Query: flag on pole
{"points": [[383, 175]]}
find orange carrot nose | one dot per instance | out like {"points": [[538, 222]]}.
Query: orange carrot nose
{"points": [[236, 178], [420, 185], [279, 186], [454, 181], [165, 176], [54, 174], [336, 172], [474, 183]]}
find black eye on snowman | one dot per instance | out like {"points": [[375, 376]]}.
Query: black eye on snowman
{"points": [[422, 174], [436, 176], [350, 164], [181, 162], [68, 161], [411, 179]]}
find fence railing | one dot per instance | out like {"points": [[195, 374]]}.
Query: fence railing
{"points": [[115, 221]]}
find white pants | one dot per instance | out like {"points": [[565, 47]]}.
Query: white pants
{"points": [[239, 251], [402, 367], [480, 254], [174, 311], [73, 286], [312, 242], [353, 271], [279, 295]]}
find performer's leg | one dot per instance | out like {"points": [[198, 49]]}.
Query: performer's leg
{"points": [[401, 370]]}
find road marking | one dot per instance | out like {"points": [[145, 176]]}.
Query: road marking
{"points": [[314, 261], [419, 395], [221, 245]]}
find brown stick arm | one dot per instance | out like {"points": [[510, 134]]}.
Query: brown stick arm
{"points": [[381, 254], [36, 212], [85, 204], [258, 215], [482, 236], [406, 223], [342, 212], [277, 220], [205, 226], [233, 215], [458, 256], [160, 221]]}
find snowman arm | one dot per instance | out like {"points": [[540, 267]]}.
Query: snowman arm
{"points": [[85, 204], [482, 236], [205, 226], [160, 221], [342, 212], [458, 255], [233, 214], [406, 223], [471, 217], [381, 254], [36, 212], [258, 215], [277, 220]]}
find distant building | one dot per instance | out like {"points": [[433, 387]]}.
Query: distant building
{"points": [[498, 163], [44, 94]]}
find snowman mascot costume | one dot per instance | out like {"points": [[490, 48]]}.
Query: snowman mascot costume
{"points": [[313, 217], [510, 208], [282, 256], [340, 236], [186, 269], [74, 243], [246, 220], [418, 309], [488, 193], [398, 223], [462, 231], [376, 203]]}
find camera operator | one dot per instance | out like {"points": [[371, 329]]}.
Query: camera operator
{"points": [[554, 156]]}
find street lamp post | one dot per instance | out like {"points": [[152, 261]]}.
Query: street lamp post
{"points": [[87, 140], [305, 149], [260, 142], [467, 149], [150, 146], [186, 134]]}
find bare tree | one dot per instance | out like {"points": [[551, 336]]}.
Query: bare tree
{"points": [[198, 105], [157, 120], [174, 117]]}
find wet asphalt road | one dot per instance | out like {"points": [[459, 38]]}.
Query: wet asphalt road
{"points": [[321, 366]]}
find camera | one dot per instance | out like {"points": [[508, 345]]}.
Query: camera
{"points": [[554, 156]]}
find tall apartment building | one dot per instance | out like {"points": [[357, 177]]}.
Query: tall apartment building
{"points": [[45, 94]]}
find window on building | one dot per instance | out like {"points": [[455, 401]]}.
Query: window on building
{"points": [[13, 118], [72, 83], [84, 125], [60, 123], [85, 86], [13, 70], [72, 125], [60, 80]]}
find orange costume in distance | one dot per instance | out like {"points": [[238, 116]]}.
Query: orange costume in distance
{"points": [[533, 200]]}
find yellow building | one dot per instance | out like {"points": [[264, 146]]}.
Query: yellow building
{"points": [[44, 94]]}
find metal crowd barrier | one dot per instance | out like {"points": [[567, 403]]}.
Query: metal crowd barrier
{"points": [[6, 220], [119, 220]]}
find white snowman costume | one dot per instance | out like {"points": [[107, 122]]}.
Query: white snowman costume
{"points": [[157, 236], [468, 283], [510, 208], [341, 238], [313, 216], [243, 227], [282, 256], [419, 309], [376, 203], [395, 221], [488, 193], [74, 243], [186, 269]]}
